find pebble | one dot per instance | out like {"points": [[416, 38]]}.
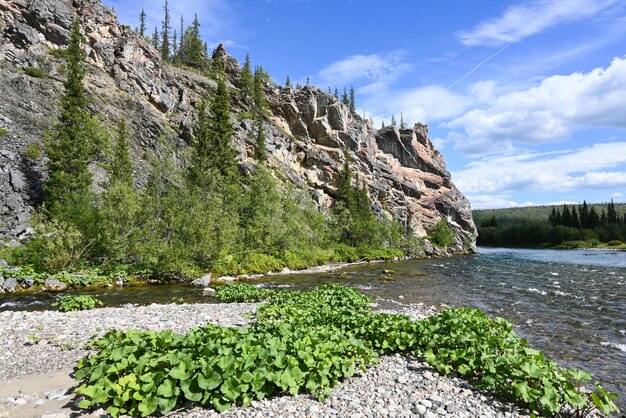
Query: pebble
{"points": [[56, 394]]}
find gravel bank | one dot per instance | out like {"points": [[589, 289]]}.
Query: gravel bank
{"points": [[39, 350]]}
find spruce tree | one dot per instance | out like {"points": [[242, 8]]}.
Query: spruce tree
{"points": [[351, 100], [165, 33], [566, 217], [344, 97], [402, 122], [121, 166], [594, 219], [258, 92], [553, 218], [336, 93], [223, 155], [70, 144], [174, 46], [382, 124], [345, 190], [200, 170], [260, 150], [155, 38], [583, 212], [575, 219], [611, 216], [182, 33], [288, 81], [193, 52], [142, 23], [393, 120], [246, 79]]}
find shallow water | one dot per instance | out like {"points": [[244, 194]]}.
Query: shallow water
{"points": [[569, 303]]}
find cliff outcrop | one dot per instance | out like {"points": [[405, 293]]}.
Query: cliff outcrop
{"points": [[308, 132]]}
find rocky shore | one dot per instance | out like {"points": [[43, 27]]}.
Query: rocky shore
{"points": [[39, 350]]}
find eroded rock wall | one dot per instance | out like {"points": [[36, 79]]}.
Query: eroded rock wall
{"points": [[308, 133]]}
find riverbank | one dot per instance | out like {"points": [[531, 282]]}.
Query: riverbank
{"points": [[41, 347], [18, 282]]}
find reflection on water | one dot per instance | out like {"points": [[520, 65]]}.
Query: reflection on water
{"points": [[568, 303]]}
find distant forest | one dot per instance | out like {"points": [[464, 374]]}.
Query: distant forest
{"points": [[566, 226]]}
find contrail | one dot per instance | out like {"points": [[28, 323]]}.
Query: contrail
{"points": [[483, 62]]}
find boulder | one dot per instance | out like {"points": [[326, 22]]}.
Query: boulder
{"points": [[11, 285], [54, 285], [203, 281]]}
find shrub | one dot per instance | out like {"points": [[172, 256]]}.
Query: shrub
{"points": [[71, 303], [34, 151], [57, 246], [614, 243], [35, 72], [3, 132], [259, 263], [442, 235]]}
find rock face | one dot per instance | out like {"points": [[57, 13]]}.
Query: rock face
{"points": [[308, 132]]}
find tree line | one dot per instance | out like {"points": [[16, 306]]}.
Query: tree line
{"points": [[205, 215], [569, 226]]}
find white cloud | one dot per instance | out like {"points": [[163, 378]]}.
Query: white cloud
{"points": [[495, 202], [600, 166], [519, 22], [373, 76], [423, 104], [373, 70], [547, 112]]}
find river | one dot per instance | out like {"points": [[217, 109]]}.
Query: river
{"points": [[570, 304]]}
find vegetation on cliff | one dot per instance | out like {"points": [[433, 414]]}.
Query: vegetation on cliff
{"points": [[567, 226], [305, 342], [207, 216]]}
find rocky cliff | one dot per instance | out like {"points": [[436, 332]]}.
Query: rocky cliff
{"points": [[308, 131]]}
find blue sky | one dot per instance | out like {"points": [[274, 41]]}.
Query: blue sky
{"points": [[526, 100]]}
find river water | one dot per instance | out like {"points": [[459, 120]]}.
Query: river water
{"points": [[570, 304]]}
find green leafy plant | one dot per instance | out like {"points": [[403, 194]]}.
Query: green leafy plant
{"points": [[3, 132], [241, 293], [71, 303], [307, 342]]}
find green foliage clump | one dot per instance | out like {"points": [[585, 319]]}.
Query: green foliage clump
{"points": [[33, 151], [354, 222], [57, 246], [70, 303], [490, 355], [138, 373], [442, 235], [307, 342], [242, 293], [35, 72]]}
